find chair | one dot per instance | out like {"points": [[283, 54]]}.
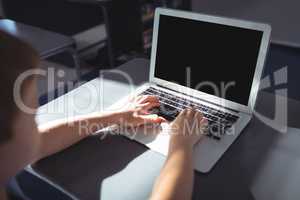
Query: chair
{"points": [[46, 43], [123, 26]]}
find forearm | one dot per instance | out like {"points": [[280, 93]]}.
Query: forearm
{"points": [[58, 135], [176, 178]]}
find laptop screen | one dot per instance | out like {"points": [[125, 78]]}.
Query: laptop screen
{"points": [[216, 59]]}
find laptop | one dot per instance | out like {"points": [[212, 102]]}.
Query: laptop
{"points": [[211, 63]]}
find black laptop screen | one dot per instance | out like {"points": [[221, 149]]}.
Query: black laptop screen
{"points": [[212, 58]]}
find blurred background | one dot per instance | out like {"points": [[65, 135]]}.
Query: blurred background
{"points": [[107, 33]]}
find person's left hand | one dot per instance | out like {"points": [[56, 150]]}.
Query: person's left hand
{"points": [[137, 112]]}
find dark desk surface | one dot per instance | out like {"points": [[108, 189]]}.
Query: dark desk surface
{"points": [[262, 164], [45, 42]]}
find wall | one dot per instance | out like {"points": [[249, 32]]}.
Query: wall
{"points": [[282, 15]]}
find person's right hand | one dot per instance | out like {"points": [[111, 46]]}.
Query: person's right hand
{"points": [[188, 128]]}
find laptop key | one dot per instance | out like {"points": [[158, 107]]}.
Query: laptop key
{"points": [[231, 118], [171, 105], [167, 116]]}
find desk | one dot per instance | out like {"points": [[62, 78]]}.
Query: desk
{"points": [[262, 164]]}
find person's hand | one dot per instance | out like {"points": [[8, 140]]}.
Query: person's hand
{"points": [[188, 128], [137, 112]]}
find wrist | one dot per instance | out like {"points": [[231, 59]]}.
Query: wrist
{"points": [[119, 117], [180, 144]]}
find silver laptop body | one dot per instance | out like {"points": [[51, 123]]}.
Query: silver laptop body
{"points": [[209, 150]]}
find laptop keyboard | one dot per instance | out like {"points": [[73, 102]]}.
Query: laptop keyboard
{"points": [[171, 105]]}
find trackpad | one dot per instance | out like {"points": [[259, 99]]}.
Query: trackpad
{"points": [[156, 137]]}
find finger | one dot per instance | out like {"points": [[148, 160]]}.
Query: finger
{"points": [[204, 122], [148, 98], [190, 112], [140, 98], [147, 106], [198, 115], [162, 119], [152, 119], [204, 126], [183, 113], [194, 110]]}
